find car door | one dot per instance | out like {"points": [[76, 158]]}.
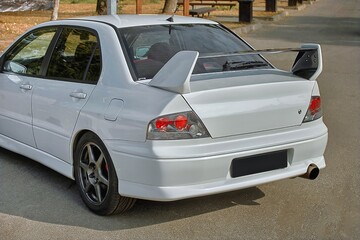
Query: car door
{"points": [[71, 76], [22, 66]]}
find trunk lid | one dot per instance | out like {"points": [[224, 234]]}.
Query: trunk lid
{"points": [[249, 101]]}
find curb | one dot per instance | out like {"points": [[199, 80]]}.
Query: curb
{"points": [[249, 28]]}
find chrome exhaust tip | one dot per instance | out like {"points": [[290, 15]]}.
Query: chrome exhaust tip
{"points": [[312, 172]]}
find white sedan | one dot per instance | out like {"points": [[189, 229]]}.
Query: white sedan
{"points": [[160, 108]]}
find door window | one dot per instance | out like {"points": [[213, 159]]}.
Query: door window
{"points": [[76, 57], [28, 54]]}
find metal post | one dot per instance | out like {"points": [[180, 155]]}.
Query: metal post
{"points": [[111, 7], [245, 10], [292, 3], [270, 6]]}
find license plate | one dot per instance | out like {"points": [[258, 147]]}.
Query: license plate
{"points": [[258, 163]]}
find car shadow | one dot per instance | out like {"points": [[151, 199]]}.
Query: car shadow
{"points": [[33, 191]]}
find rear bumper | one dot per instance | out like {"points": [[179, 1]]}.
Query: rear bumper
{"points": [[171, 193], [173, 170]]}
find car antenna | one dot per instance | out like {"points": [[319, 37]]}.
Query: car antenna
{"points": [[171, 19]]}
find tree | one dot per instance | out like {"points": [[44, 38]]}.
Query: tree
{"points": [[170, 6], [101, 7], [55, 11]]}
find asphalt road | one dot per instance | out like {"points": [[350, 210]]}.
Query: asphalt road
{"points": [[37, 203]]}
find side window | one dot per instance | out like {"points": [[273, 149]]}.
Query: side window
{"points": [[76, 56], [28, 54]]}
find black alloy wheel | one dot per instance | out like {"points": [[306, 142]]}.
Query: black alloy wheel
{"points": [[96, 177]]}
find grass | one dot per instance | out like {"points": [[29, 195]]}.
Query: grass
{"points": [[12, 24]]}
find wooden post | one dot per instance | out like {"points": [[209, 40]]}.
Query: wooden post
{"points": [[186, 8], [138, 6]]}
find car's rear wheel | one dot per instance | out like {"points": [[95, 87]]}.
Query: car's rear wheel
{"points": [[96, 177]]}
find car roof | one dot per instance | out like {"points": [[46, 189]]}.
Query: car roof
{"points": [[123, 21]]}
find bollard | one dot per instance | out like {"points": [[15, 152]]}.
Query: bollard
{"points": [[292, 3], [270, 6], [245, 10]]}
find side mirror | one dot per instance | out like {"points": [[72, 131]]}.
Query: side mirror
{"points": [[15, 67]]}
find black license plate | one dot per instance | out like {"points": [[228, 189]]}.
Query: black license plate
{"points": [[258, 163]]}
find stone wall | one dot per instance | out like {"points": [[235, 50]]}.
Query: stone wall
{"points": [[25, 5]]}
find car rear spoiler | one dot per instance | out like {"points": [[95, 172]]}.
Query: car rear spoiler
{"points": [[175, 75]]}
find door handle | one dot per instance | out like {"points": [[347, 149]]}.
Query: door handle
{"points": [[79, 95], [26, 86]]}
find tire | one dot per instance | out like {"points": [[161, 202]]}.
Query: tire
{"points": [[96, 177]]}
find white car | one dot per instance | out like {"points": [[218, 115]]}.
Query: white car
{"points": [[160, 108]]}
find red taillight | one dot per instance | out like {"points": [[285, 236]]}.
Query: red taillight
{"points": [[184, 125], [162, 123], [181, 122], [314, 111], [315, 105]]}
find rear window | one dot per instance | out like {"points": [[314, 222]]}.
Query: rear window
{"points": [[150, 47]]}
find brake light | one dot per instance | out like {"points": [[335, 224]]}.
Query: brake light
{"points": [[177, 126], [314, 111], [315, 105], [180, 122], [162, 123]]}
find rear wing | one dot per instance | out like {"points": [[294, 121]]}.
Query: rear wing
{"points": [[175, 75]]}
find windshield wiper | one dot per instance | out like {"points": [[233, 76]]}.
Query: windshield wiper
{"points": [[242, 65]]}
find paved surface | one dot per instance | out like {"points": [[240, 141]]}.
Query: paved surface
{"points": [[37, 203]]}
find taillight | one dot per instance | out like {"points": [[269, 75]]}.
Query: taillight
{"points": [[177, 126], [181, 122], [162, 123], [314, 111]]}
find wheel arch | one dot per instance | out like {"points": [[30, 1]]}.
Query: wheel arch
{"points": [[75, 142]]}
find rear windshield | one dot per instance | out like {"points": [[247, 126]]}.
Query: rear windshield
{"points": [[150, 47]]}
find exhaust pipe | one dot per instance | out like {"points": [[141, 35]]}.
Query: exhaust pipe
{"points": [[312, 172]]}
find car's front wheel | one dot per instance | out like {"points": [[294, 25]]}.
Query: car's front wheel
{"points": [[96, 177]]}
